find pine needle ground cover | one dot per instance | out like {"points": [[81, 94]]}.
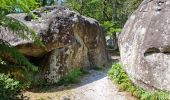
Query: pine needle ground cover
{"points": [[119, 76]]}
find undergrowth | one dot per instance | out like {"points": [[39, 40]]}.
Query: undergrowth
{"points": [[73, 76], [9, 88], [119, 76]]}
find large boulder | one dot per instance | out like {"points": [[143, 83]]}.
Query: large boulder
{"points": [[145, 45], [71, 41]]}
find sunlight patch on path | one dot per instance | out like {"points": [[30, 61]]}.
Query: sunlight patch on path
{"points": [[98, 87]]}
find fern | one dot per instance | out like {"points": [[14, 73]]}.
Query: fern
{"points": [[14, 25], [19, 28], [10, 53], [7, 52]]}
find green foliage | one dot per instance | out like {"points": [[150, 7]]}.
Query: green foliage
{"points": [[46, 2], [90, 8], [9, 88], [115, 11], [32, 16], [19, 28], [15, 26], [71, 77], [110, 28], [9, 55], [7, 6], [112, 14], [119, 76], [6, 51]]}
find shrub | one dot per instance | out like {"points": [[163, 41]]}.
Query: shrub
{"points": [[119, 76], [9, 88]]}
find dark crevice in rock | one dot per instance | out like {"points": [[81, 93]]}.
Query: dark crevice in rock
{"points": [[153, 50], [143, 11], [159, 3], [37, 60]]}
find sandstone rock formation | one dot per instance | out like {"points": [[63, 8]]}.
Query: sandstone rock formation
{"points": [[70, 40], [145, 45]]}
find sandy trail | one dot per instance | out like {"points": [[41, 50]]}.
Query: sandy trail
{"points": [[94, 86], [97, 86]]}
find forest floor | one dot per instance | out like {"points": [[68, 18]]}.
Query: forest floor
{"points": [[94, 86]]}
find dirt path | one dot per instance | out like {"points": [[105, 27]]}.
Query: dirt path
{"points": [[95, 86]]}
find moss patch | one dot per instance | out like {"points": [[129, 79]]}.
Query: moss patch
{"points": [[119, 76]]}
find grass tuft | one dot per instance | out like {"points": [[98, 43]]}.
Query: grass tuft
{"points": [[72, 77]]}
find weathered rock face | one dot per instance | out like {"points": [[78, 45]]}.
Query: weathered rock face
{"points": [[145, 45], [70, 40]]}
